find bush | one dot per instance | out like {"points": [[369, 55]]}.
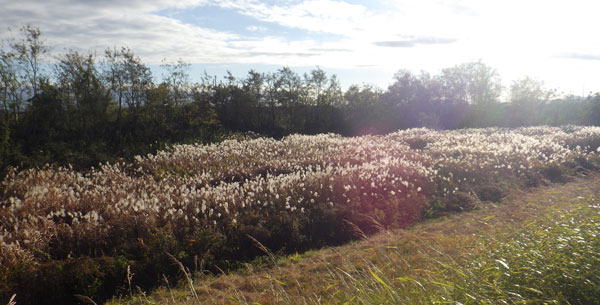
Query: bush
{"points": [[57, 282], [554, 174], [490, 193], [462, 201]]}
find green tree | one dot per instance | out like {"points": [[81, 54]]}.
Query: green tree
{"points": [[412, 98], [30, 51], [115, 75], [364, 112], [527, 97], [475, 82], [316, 83], [177, 77], [10, 86], [593, 111], [480, 86], [129, 77], [82, 90], [290, 93]]}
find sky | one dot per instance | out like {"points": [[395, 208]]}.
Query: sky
{"points": [[363, 42]]}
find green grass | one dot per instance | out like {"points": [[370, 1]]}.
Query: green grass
{"points": [[553, 259]]}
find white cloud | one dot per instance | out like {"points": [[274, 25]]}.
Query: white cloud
{"points": [[328, 16], [256, 28], [518, 37], [86, 25]]}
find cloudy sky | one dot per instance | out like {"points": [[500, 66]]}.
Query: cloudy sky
{"points": [[361, 41]]}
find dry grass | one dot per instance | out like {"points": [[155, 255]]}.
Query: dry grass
{"points": [[12, 300], [64, 232], [390, 265]]}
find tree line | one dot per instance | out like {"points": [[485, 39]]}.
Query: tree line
{"points": [[84, 109]]}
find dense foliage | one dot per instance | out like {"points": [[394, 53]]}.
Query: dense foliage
{"points": [[85, 109], [65, 232]]}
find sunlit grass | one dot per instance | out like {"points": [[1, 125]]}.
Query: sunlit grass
{"points": [[539, 249], [218, 207], [552, 260]]}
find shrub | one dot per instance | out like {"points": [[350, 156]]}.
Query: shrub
{"points": [[56, 282], [490, 193], [554, 173]]}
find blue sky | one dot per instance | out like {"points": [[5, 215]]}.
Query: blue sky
{"points": [[233, 21], [360, 41]]}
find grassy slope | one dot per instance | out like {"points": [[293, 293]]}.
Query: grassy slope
{"points": [[458, 259]]}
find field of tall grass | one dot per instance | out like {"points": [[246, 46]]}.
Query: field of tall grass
{"points": [[538, 247], [64, 232]]}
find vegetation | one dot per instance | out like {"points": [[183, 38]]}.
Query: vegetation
{"points": [[103, 193], [64, 232], [534, 248], [85, 109]]}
